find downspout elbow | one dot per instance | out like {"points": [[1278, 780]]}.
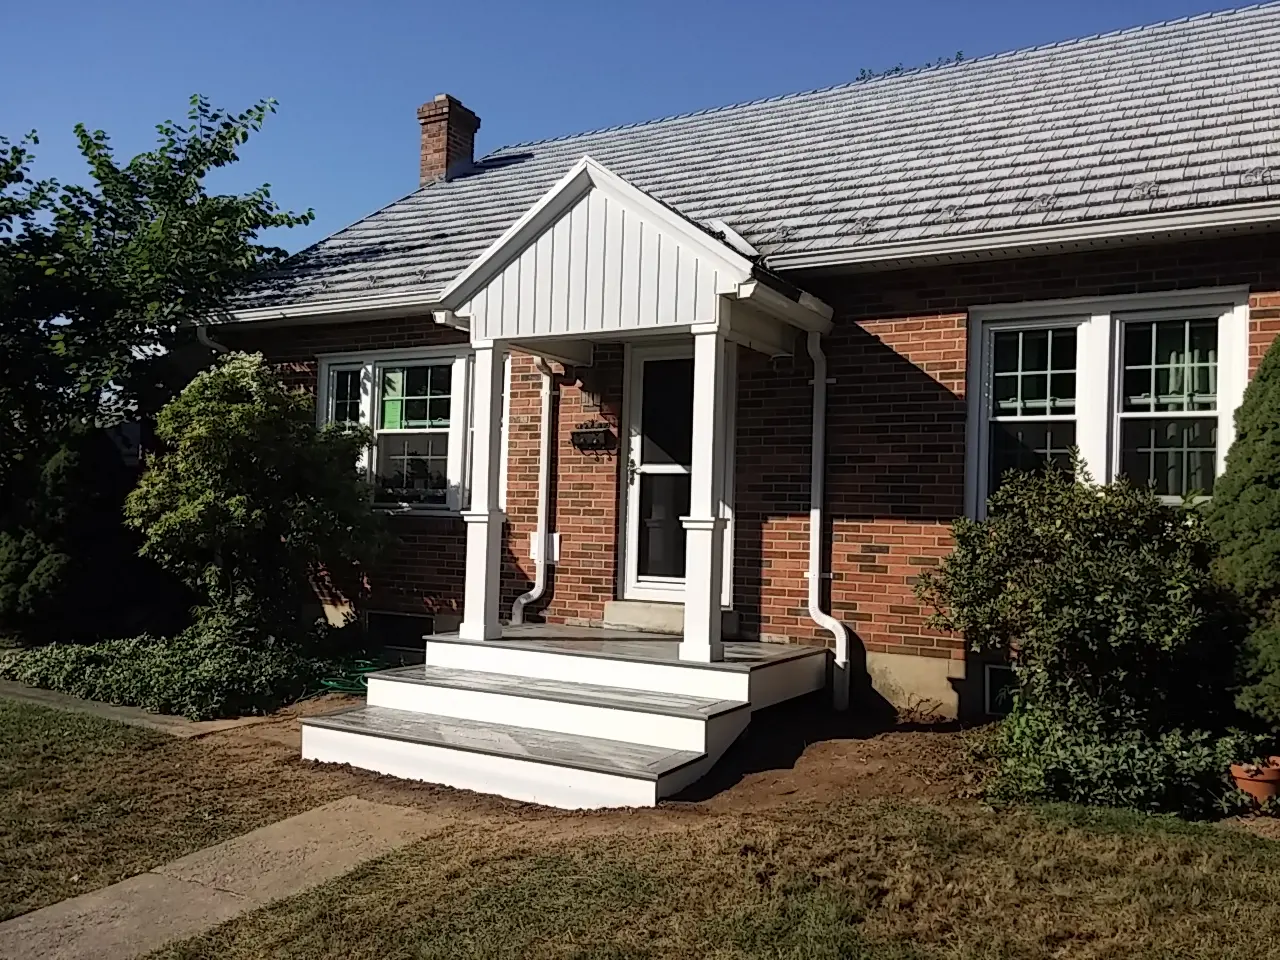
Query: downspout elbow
{"points": [[817, 474], [202, 335], [534, 593]]}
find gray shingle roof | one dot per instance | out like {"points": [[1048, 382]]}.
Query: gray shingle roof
{"points": [[1178, 115]]}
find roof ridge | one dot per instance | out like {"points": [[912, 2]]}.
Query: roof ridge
{"points": [[887, 76]]}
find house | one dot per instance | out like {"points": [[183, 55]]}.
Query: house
{"points": [[669, 416]]}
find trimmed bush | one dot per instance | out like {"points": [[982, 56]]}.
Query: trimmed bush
{"points": [[1245, 519], [249, 503], [1122, 643]]}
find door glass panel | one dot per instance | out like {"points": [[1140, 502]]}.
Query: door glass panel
{"points": [[666, 412], [664, 499]]}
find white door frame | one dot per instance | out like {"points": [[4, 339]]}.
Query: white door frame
{"points": [[668, 589]]}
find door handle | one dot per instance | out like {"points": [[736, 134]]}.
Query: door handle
{"points": [[632, 470]]}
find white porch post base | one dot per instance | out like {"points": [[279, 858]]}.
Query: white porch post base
{"points": [[484, 520], [484, 575], [704, 527], [704, 561]]}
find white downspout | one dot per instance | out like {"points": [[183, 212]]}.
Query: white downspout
{"points": [[817, 472], [202, 334], [544, 500]]}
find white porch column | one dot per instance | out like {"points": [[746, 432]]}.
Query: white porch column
{"points": [[484, 519], [704, 527]]}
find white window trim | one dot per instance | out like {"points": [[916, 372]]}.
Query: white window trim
{"points": [[1097, 361], [460, 406]]}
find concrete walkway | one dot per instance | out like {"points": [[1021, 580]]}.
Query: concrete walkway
{"points": [[197, 892], [134, 716]]}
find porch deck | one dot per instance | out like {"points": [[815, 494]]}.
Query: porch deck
{"points": [[615, 643]]}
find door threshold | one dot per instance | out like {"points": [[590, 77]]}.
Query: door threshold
{"points": [[660, 616]]}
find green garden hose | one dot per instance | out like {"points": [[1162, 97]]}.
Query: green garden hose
{"points": [[355, 679]]}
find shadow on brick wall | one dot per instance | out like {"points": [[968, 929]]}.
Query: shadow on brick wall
{"points": [[895, 482]]}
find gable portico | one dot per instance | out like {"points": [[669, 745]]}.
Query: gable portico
{"points": [[597, 260]]}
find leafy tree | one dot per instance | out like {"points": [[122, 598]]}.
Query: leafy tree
{"points": [[100, 286], [1244, 517], [97, 281]]}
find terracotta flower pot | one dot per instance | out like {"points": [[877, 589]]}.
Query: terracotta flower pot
{"points": [[1262, 782]]}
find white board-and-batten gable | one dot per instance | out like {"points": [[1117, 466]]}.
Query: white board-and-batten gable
{"points": [[595, 255]]}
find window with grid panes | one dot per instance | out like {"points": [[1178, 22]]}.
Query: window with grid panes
{"points": [[411, 438], [420, 411], [1032, 417], [1169, 403], [344, 394], [1145, 386]]}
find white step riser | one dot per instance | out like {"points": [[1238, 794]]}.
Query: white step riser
{"points": [[679, 733], [517, 779], [575, 668], [783, 681]]}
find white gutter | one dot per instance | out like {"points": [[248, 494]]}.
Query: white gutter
{"points": [[404, 304], [544, 500], [817, 471], [1047, 236]]}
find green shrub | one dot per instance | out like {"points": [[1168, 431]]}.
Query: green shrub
{"points": [[1245, 519], [218, 667], [254, 509], [1123, 645], [249, 503], [69, 568], [1093, 759]]}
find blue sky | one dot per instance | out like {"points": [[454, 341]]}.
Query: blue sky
{"points": [[350, 75]]}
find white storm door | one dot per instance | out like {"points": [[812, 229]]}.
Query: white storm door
{"points": [[657, 477]]}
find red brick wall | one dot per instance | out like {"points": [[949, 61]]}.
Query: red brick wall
{"points": [[896, 438], [1264, 325], [897, 419]]}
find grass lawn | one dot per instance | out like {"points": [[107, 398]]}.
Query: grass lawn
{"points": [[836, 852], [86, 802], [858, 879]]}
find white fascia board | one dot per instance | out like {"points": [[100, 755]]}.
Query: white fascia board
{"points": [[583, 176], [1033, 239], [404, 304], [808, 313]]}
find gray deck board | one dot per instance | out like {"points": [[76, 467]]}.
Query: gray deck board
{"points": [[635, 645], [585, 694], [613, 757]]}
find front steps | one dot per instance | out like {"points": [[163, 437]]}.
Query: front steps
{"points": [[568, 724]]}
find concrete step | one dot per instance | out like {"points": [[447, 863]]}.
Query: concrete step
{"points": [[558, 769], [658, 617], [672, 720]]}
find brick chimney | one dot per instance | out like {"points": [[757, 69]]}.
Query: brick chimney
{"points": [[448, 138]]}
